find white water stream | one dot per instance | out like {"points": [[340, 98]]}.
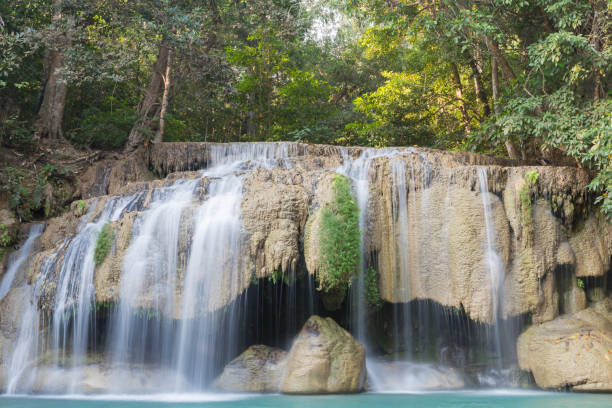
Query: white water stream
{"points": [[20, 259]]}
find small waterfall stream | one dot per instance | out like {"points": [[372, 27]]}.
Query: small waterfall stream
{"points": [[20, 259], [493, 261]]}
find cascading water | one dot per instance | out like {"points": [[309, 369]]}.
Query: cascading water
{"points": [[358, 171], [20, 259], [188, 335], [495, 268], [21, 355], [74, 297], [183, 296]]}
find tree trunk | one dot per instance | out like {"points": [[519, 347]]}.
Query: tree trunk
{"points": [[159, 137], [494, 84], [506, 70], [459, 92], [479, 88], [55, 86], [147, 108]]}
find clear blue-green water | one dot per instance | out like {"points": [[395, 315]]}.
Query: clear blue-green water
{"points": [[466, 399]]}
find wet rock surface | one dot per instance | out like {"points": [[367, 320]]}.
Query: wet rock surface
{"points": [[258, 369], [323, 359], [572, 351]]}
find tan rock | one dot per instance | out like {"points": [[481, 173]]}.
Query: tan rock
{"points": [[592, 246], [571, 351], [324, 359], [258, 369]]}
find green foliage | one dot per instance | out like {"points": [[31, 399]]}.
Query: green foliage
{"points": [[104, 128], [339, 237], [6, 238], [81, 206], [371, 288], [25, 191], [580, 283], [394, 73], [532, 178], [16, 133], [278, 276], [104, 243], [279, 98]]}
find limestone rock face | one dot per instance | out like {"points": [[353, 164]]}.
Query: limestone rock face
{"points": [[425, 229], [274, 211], [99, 378], [258, 369], [110, 176], [571, 351], [324, 359]]}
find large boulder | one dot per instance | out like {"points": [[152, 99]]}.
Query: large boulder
{"points": [[258, 369], [324, 359], [572, 351]]}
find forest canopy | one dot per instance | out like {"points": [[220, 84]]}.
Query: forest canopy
{"points": [[529, 80]]}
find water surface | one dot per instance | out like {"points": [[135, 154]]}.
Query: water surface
{"points": [[465, 399]]}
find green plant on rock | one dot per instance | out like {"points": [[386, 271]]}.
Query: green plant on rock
{"points": [[103, 243], [278, 276], [340, 239], [371, 287], [580, 283], [81, 207], [525, 197], [5, 236]]}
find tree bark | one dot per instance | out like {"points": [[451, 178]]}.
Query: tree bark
{"points": [[479, 88], [159, 137], [459, 92], [147, 108], [494, 84], [507, 72], [55, 86]]}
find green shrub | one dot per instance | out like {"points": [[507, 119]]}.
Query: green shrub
{"points": [[532, 178], [6, 238], [580, 283], [103, 243], [27, 190], [371, 288], [16, 133], [340, 237], [104, 129]]}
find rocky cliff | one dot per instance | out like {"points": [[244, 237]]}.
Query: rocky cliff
{"points": [[437, 254]]}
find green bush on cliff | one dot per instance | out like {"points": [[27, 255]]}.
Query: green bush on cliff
{"points": [[103, 243], [371, 288], [340, 237]]}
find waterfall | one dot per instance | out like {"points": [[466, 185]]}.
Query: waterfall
{"points": [[75, 295], [358, 172], [494, 264], [187, 330], [150, 271], [20, 259], [184, 298]]}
